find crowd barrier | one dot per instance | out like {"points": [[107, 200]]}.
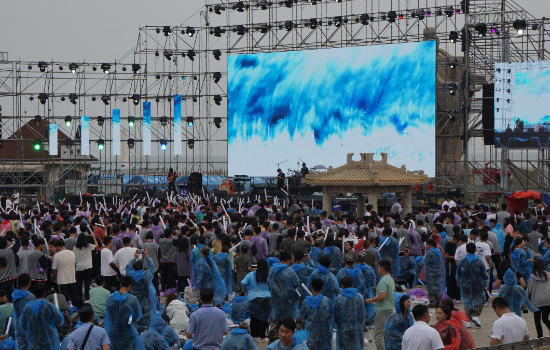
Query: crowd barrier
{"points": [[533, 344]]}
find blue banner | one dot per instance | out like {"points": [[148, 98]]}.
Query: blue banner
{"points": [[85, 136], [115, 127], [53, 139], [177, 125], [146, 128]]}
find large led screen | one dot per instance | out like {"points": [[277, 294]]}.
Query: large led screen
{"points": [[522, 112], [316, 106]]}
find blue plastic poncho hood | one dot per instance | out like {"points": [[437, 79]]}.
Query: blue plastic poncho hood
{"points": [[352, 272], [471, 258], [313, 251], [36, 306], [314, 301], [18, 294], [322, 269], [279, 267], [397, 301], [120, 297], [510, 278], [349, 292], [272, 261], [299, 337], [222, 256], [138, 275], [298, 267], [239, 331]]}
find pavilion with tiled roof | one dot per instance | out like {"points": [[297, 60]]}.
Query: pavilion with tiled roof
{"points": [[367, 178]]}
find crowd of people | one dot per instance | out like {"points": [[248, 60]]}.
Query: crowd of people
{"points": [[203, 273]]}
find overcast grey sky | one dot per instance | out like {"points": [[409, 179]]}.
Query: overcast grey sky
{"points": [[104, 30]]}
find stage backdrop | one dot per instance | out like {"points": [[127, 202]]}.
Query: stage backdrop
{"points": [[522, 115], [318, 105]]}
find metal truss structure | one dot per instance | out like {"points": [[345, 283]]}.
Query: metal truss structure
{"points": [[472, 36]]}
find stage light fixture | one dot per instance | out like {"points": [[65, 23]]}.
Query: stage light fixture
{"points": [[288, 3], [68, 120], [136, 98], [166, 30], [217, 76], [73, 97], [42, 66], [218, 31], [106, 99], [157, 76], [31, 98], [73, 67], [100, 144], [313, 23], [239, 6], [428, 13], [264, 28], [452, 89], [535, 26], [217, 54], [190, 31], [94, 68], [218, 100], [401, 16], [63, 98], [37, 120], [364, 19], [93, 98], [520, 25], [465, 6], [100, 121], [157, 54], [131, 143], [124, 99], [163, 144], [218, 9], [60, 67], [439, 12], [481, 29], [136, 68], [168, 53], [164, 120], [158, 30], [392, 15], [191, 144], [262, 4], [191, 55], [131, 121], [288, 25], [169, 76], [452, 115], [449, 11], [29, 67], [338, 21], [240, 29], [453, 36], [189, 121], [106, 67], [383, 17], [124, 68], [37, 145], [218, 122], [69, 143], [43, 97], [457, 11], [452, 62], [420, 14]]}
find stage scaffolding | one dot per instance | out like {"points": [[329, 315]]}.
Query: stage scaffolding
{"points": [[191, 61]]}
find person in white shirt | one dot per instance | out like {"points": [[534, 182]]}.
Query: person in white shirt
{"points": [[509, 328], [107, 263], [461, 250], [9, 204], [483, 250], [449, 202], [421, 336], [15, 197], [124, 255], [396, 208]]}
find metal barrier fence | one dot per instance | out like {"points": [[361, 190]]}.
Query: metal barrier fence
{"points": [[533, 344]]}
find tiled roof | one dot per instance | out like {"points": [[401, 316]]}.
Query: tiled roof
{"points": [[23, 150], [367, 172]]}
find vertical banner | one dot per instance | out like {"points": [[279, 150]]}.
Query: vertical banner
{"points": [[85, 136], [115, 125], [177, 125], [146, 128], [53, 139]]}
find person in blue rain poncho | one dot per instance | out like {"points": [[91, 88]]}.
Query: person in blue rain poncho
{"points": [[159, 337], [302, 271], [544, 251], [39, 321], [272, 261], [331, 287], [224, 266], [315, 253], [289, 338], [435, 273], [209, 276], [370, 282], [521, 259], [317, 313], [407, 268], [354, 273], [20, 298], [389, 250], [239, 339], [398, 322], [335, 255], [349, 317], [239, 309], [196, 257], [143, 289], [515, 295], [501, 236], [283, 283], [259, 299], [122, 310], [473, 280]]}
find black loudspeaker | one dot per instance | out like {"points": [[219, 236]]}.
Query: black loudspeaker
{"points": [[220, 194], [195, 183], [489, 114]]}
